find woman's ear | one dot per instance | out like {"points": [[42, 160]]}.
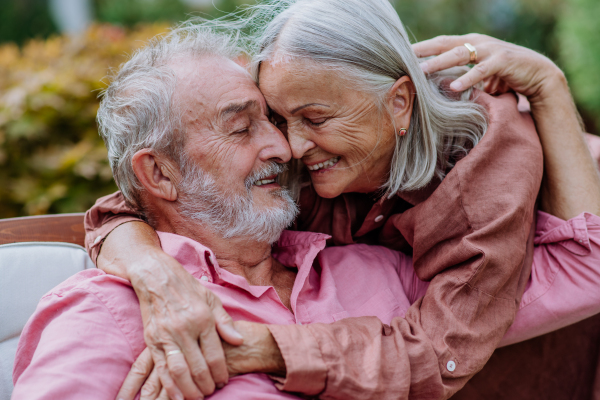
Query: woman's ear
{"points": [[156, 173], [401, 101]]}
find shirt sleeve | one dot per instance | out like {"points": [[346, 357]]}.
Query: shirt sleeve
{"points": [[71, 348], [564, 287], [100, 220], [414, 288], [473, 239]]}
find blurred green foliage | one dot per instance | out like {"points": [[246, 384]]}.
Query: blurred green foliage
{"points": [[24, 19], [579, 37], [51, 157], [131, 12]]}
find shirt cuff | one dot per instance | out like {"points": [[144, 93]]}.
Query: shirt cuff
{"points": [[306, 370], [573, 234]]}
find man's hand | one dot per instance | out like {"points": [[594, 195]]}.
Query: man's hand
{"points": [[259, 353]]}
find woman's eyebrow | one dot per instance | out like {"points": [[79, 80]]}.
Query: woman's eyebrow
{"points": [[295, 110]]}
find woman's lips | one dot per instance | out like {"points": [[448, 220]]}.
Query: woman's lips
{"points": [[323, 165]]}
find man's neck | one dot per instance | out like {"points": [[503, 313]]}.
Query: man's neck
{"points": [[247, 258], [241, 256]]}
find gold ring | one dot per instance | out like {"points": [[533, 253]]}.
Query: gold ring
{"points": [[472, 52], [170, 353]]}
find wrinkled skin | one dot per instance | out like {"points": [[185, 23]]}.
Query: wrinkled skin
{"points": [[569, 167], [324, 118]]}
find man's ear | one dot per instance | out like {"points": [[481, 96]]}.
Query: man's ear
{"points": [[401, 100], [156, 173]]}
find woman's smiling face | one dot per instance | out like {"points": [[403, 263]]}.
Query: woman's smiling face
{"points": [[338, 133]]}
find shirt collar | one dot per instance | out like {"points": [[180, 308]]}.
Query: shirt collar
{"points": [[293, 249]]}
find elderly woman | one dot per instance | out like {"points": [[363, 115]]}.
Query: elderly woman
{"points": [[397, 158]]}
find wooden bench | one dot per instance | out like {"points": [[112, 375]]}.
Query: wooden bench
{"points": [[44, 228]]}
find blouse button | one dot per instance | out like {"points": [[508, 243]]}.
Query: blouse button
{"points": [[451, 366], [204, 278], [378, 218]]}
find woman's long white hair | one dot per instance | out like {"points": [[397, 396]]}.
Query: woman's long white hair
{"points": [[367, 43]]}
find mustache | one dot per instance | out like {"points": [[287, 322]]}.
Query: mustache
{"points": [[269, 169]]}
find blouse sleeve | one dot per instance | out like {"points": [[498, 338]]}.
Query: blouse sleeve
{"points": [[473, 238], [100, 220], [564, 286]]}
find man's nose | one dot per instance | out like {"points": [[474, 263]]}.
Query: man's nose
{"points": [[299, 143], [275, 145]]}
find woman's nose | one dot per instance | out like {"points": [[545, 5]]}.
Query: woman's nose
{"points": [[299, 144]]}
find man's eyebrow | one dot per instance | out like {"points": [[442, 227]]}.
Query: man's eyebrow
{"points": [[295, 110], [228, 112]]}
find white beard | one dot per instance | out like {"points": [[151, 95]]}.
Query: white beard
{"points": [[231, 214]]}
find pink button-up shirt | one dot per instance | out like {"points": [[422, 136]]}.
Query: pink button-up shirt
{"points": [[86, 333]]}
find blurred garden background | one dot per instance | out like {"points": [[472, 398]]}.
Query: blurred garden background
{"points": [[54, 54]]}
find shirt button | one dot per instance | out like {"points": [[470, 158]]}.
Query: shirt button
{"points": [[451, 366], [378, 218], [99, 238], [580, 241], [204, 278]]}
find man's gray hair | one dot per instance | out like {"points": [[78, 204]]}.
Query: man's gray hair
{"points": [[137, 110], [366, 42]]}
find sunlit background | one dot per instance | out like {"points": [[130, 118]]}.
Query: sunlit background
{"points": [[54, 54]]}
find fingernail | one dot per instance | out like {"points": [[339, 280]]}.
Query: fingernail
{"points": [[424, 66], [233, 332], [179, 397], [456, 85], [220, 385]]}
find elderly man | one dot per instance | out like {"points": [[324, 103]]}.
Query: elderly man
{"points": [[194, 152]]}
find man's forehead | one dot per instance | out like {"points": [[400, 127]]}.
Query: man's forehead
{"points": [[213, 83]]}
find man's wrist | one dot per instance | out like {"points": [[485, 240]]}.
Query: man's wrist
{"points": [[258, 353], [275, 362]]}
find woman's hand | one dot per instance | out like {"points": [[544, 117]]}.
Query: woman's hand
{"points": [[500, 65], [571, 182], [259, 353], [183, 321], [179, 313]]}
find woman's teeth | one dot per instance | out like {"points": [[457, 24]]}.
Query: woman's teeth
{"points": [[326, 164], [264, 182]]}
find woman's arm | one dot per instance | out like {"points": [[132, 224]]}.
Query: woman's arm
{"points": [[178, 312], [571, 182]]}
